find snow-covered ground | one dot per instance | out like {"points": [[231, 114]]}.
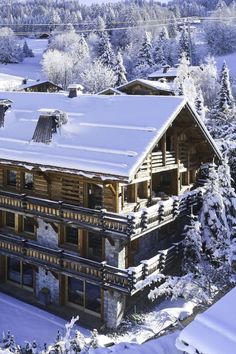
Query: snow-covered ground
{"points": [[30, 68], [28, 323]]}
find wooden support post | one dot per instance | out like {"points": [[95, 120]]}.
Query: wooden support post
{"points": [[163, 149]]}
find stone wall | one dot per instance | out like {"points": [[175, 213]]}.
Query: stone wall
{"points": [[46, 279], [115, 253], [46, 235]]}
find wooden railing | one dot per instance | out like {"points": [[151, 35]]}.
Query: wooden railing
{"points": [[164, 262], [128, 280], [127, 225]]}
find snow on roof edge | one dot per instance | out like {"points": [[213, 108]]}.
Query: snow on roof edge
{"points": [[157, 138]]}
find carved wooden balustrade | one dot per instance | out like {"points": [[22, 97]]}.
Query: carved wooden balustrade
{"points": [[128, 281], [130, 225]]}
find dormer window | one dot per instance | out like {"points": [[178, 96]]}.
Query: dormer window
{"points": [[11, 178], [28, 181]]}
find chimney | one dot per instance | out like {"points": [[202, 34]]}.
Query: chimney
{"points": [[75, 90], [24, 81], [165, 68]]}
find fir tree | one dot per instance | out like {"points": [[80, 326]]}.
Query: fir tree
{"points": [[199, 105], [161, 48], [222, 115], [192, 245], [184, 44], [172, 27], [145, 52], [27, 52], [120, 70], [105, 52]]}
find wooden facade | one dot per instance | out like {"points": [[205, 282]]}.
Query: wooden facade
{"points": [[79, 236]]}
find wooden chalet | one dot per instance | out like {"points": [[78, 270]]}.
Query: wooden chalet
{"points": [[140, 87], [94, 191], [41, 86]]}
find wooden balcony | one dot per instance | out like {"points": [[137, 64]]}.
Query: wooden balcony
{"points": [[128, 281], [127, 225]]}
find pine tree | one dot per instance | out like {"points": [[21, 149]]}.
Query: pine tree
{"points": [[192, 245], [172, 27], [27, 52], [199, 105], [161, 48], [222, 115], [120, 70], [145, 52], [184, 44], [105, 52]]}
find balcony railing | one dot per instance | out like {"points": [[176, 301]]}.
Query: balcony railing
{"points": [[127, 225], [128, 281]]}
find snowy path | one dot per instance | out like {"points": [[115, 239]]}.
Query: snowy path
{"points": [[27, 322]]}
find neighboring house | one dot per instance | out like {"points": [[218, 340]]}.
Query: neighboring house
{"points": [[213, 331], [41, 86], [90, 187], [168, 74], [140, 87]]}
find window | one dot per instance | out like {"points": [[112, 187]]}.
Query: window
{"points": [[84, 294], [11, 178], [28, 225], [20, 273], [76, 291], [10, 219], [71, 235], [28, 181]]}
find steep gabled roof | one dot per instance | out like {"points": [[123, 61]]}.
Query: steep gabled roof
{"points": [[155, 85], [108, 136]]}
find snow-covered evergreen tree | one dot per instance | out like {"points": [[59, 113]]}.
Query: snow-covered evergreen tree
{"points": [[221, 118], [27, 52], [199, 105], [105, 52], [120, 70], [10, 49], [145, 52], [184, 81], [160, 53], [184, 44]]}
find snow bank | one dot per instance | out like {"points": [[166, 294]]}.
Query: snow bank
{"points": [[214, 331]]}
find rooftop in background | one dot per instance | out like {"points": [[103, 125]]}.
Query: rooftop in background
{"points": [[214, 331], [168, 73], [141, 87]]}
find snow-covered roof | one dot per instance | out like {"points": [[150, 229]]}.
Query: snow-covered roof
{"points": [[214, 331], [36, 83], [159, 86], [110, 90], [104, 135], [161, 73], [169, 72]]}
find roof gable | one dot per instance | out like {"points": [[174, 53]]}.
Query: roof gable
{"points": [[105, 135]]}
